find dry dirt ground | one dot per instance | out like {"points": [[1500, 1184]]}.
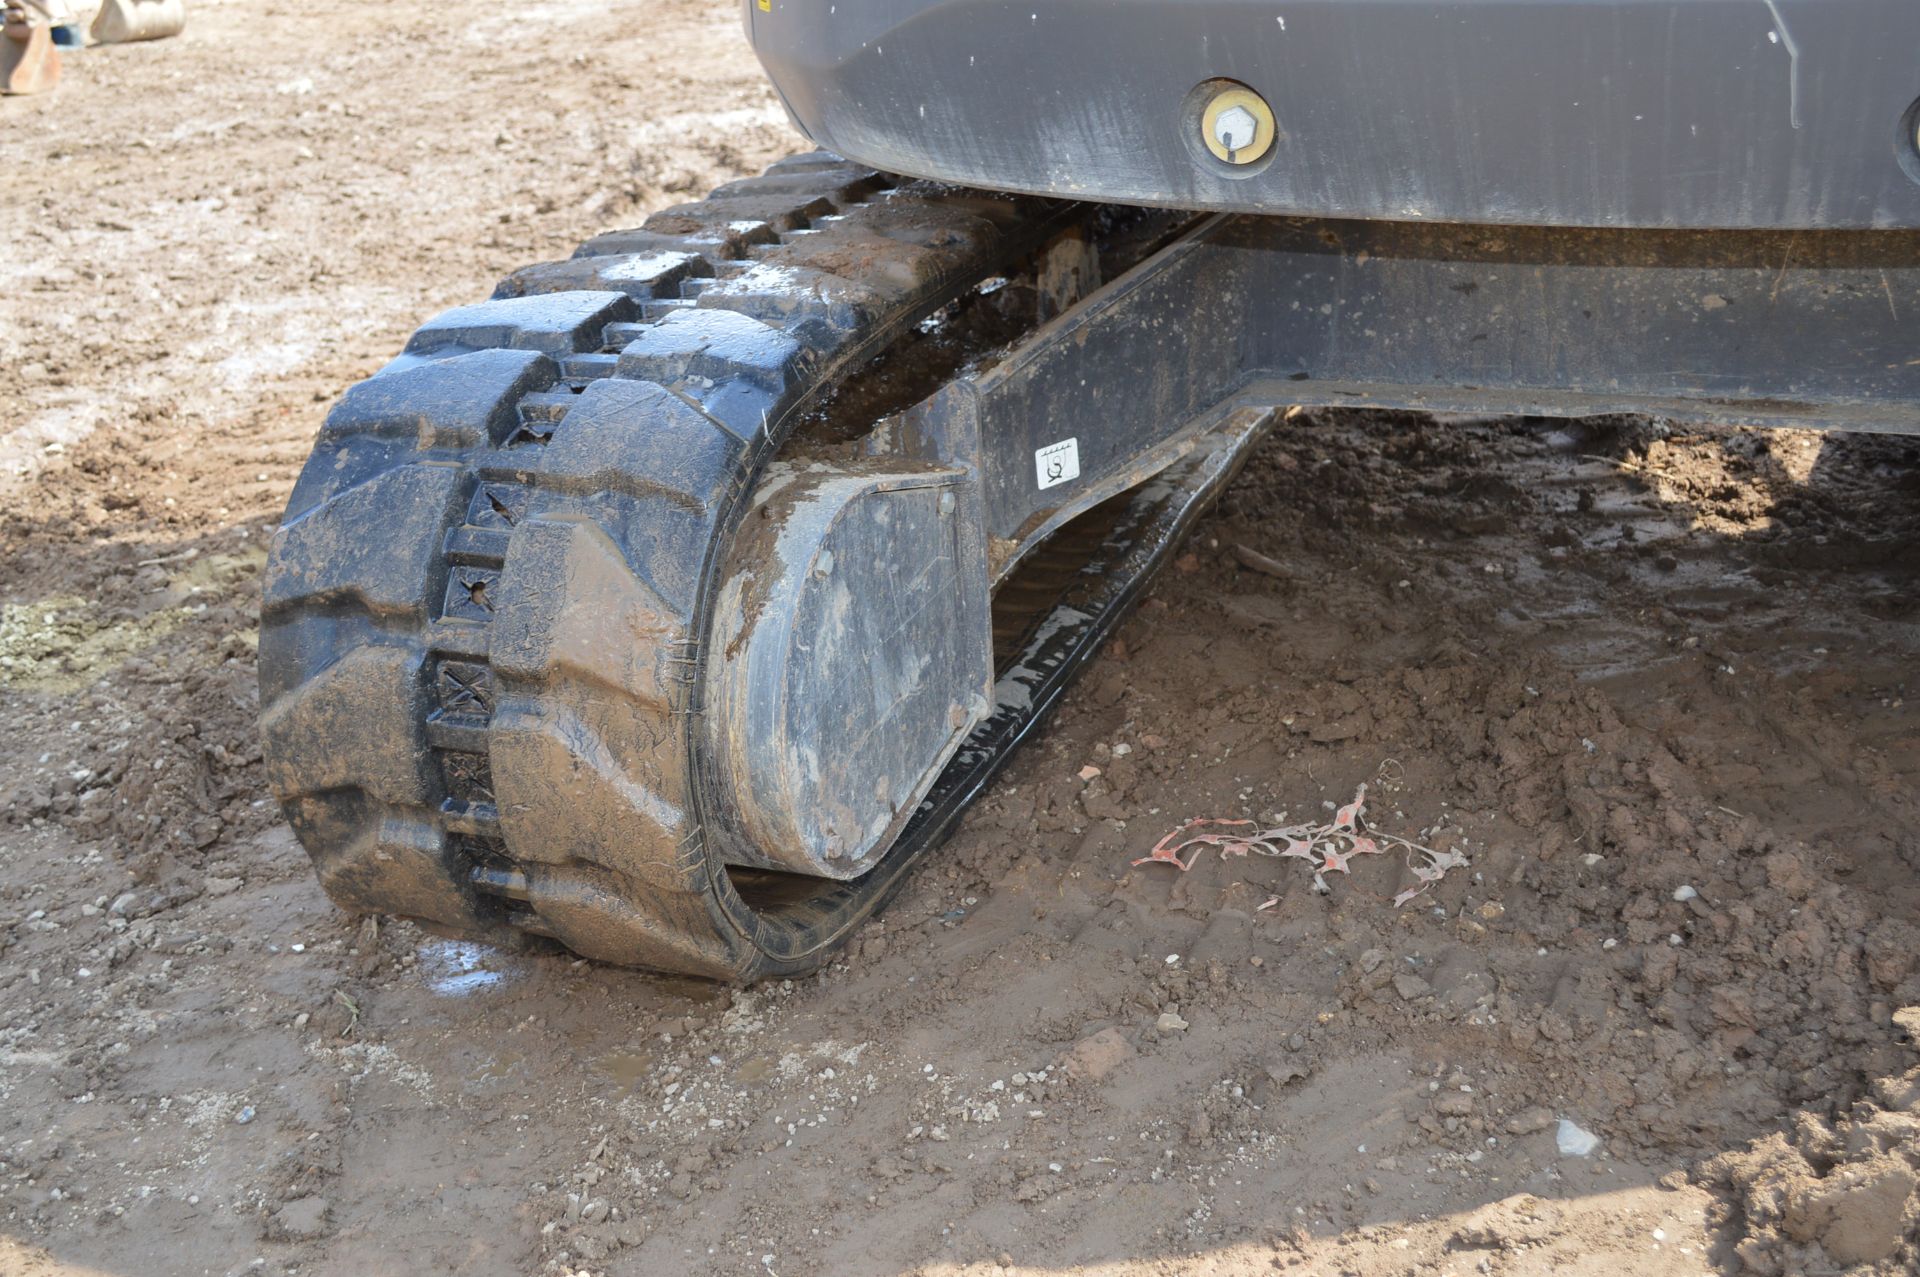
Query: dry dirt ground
{"points": [[1653, 684]]}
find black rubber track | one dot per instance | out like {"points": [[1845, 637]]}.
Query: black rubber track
{"points": [[481, 631]]}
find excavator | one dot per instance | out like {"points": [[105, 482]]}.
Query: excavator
{"points": [[671, 603]]}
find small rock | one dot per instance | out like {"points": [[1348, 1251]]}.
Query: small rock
{"points": [[1529, 1121], [1410, 986], [223, 886], [1169, 1022], [244, 1116], [1096, 1055], [1453, 1104], [1574, 1141]]}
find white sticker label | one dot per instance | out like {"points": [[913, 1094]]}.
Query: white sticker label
{"points": [[1057, 463]]}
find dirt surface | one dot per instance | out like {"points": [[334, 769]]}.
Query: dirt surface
{"points": [[1651, 684]]}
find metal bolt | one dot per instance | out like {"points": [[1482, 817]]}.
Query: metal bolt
{"points": [[1235, 128]]}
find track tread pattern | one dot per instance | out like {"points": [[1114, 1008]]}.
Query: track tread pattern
{"points": [[482, 616]]}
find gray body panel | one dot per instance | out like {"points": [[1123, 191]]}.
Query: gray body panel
{"points": [[1606, 113]]}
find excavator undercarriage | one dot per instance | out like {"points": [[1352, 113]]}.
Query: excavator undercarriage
{"points": [[671, 603]]}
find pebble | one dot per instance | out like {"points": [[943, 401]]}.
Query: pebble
{"points": [[1410, 986], [1094, 1056], [244, 1116], [1528, 1121], [1574, 1141], [1169, 1022]]}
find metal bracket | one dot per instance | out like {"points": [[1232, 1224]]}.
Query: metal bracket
{"points": [[1739, 327]]}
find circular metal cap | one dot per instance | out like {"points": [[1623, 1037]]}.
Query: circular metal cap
{"points": [[1237, 125]]}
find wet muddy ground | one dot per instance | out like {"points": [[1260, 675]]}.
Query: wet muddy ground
{"points": [[1653, 685]]}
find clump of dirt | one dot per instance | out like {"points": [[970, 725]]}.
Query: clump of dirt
{"points": [[1830, 1195], [165, 767]]}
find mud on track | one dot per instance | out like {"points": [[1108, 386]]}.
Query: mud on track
{"points": [[1606, 661]]}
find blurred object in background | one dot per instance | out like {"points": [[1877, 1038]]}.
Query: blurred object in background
{"points": [[28, 61], [73, 22], [36, 31], [124, 21]]}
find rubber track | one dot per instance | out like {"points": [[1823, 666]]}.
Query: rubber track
{"points": [[482, 616]]}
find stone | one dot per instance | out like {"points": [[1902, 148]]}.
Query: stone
{"points": [[1410, 986], [1530, 1121], [1096, 1055], [1574, 1140]]}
